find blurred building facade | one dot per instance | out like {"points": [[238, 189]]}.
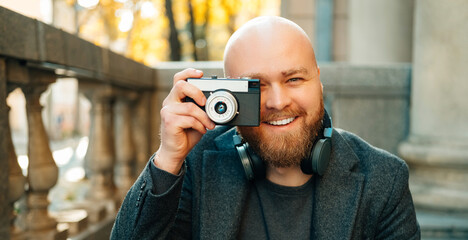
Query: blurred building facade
{"points": [[394, 72], [431, 131]]}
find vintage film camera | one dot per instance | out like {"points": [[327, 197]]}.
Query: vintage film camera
{"points": [[233, 102]]}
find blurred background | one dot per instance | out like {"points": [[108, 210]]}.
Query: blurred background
{"points": [[151, 31], [83, 82]]}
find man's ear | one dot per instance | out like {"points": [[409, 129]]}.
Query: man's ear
{"points": [[318, 71]]}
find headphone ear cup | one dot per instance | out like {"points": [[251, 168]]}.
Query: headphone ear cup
{"points": [[317, 162], [246, 162], [258, 166], [254, 167], [321, 156]]}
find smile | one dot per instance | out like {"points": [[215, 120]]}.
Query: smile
{"points": [[282, 122]]}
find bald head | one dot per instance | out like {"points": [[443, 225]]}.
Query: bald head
{"points": [[266, 38]]}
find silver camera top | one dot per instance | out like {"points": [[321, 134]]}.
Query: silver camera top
{"points": [[207, 84], [230, 101]]}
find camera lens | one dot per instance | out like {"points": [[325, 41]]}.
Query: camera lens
{"points": [[220, 107]]}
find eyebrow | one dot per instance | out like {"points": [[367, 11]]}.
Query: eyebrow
{"points": [[290, 72], [285, 73], [254, 76]]}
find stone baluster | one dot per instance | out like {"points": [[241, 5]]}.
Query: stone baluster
{"points": [[124, 142], [100, 157], [42, 170], [16, 184], [141, 124]]}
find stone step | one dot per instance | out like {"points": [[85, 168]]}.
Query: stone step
{"points": [[437, 225]]}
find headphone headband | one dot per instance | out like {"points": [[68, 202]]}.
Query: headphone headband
{"points": [[327, 125]]}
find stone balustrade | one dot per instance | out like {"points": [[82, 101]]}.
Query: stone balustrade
{"points": [[32, 56]]}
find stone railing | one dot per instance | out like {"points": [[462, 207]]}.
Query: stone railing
{"points": [[32, 56]]}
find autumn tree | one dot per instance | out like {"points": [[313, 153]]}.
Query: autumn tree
{"points": [[173, 33], [150, 31]]}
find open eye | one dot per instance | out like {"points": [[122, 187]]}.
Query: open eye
{"points": [[292, 80]]}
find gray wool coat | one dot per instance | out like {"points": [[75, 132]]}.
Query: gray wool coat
{"points": [[363, 194]]}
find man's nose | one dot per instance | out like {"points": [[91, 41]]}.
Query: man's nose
{"points": [[277, 97]]}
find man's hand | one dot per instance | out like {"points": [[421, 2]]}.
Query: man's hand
{"points": [[182, 123]]}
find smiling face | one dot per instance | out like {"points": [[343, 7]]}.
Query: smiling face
{"points": [[278, 52]]}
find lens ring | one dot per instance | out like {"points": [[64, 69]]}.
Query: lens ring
{"points": [[221, 98]]}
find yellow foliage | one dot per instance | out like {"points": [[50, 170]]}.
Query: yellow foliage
{"points": [[70, 2], [147, 41]]}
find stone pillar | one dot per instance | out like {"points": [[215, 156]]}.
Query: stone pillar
{"points": [[141, 124], [380, 31], [437, 147], [124, 142], [42, 170], [100, 156], [340, 30], [301, 12], [16, 184]]}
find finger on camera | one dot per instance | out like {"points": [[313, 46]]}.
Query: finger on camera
{"points": [[184, 89], [172, 112], [183, 122], [187, 73], [196, 125], [179, 92], [190, 109]]}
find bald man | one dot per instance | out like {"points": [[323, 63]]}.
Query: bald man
{"points": [[194, 186]]}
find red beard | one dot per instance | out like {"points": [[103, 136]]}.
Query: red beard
{"points": [[289, 148]]}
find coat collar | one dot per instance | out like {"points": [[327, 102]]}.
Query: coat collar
{"points": [[224, 141], [338, 193], [225, 186], [224, 190]]}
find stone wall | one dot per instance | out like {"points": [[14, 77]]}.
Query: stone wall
{"points": [[371, 101]]}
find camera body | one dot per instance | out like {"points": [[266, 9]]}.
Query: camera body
{"points": [[230, 101]]}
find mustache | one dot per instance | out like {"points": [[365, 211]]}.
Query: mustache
{"points": [[281, 114]]}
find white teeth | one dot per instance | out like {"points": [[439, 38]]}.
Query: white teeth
{"points": [[281, 122]]}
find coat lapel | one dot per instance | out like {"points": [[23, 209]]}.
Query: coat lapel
{"points": [[223, 191], [338, 194]]}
